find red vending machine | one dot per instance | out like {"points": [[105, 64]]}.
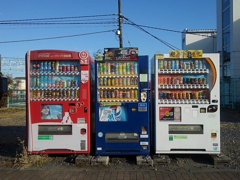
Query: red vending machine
{"points": [[58, 102]]}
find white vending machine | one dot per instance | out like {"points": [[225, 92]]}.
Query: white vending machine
{"points": [[187, 107]]}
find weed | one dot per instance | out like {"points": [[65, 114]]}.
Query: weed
{"points": [[23, 159]]}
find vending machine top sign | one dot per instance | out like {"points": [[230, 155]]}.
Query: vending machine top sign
{"points": [[127, 54], [186, 54]]}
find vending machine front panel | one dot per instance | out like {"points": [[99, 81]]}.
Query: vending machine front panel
{"points": [[58, 102], [123, 100], [187, 113]]}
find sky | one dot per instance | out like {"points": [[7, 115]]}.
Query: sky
{"points": [[92, 26]]}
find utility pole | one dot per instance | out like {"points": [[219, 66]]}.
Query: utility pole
{"points": [[119, 32], [0, 63]]}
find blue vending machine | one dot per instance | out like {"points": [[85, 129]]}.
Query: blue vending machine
{"points": [[123, 103]]}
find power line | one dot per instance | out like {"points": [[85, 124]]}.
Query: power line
{"points": [[181, 32], [58, 37], [162, 41], [72, 17]]}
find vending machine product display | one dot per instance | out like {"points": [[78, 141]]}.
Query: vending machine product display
{"points": [[187, 95], [123, 100], [58, 102]]}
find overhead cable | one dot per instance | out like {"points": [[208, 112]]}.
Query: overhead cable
{"points": [[58, 37], [73, 17], [162, 41]]}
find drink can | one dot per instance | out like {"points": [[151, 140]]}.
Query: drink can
{"points": [[46, 66], [103, 68], [164, 80], [128, 81], [196, 95], [49, 66], [196, 81], [181, 80], [165, 64], [169, 64], [72, 94], [120, 94], [120, 81], [177, 81], [69, 83], [200, 64], [132, 94], [38, 67], [165, 95], [76, 94], [177, 64], [128, 68], [120, 68], [160, 95], [128, 94], [64, 68], [53, 94], [113, 68], [105, 94], [42, 67], [104, 81], [168, 80], [101, 93], [181, 64], [116, 68], [204, 81], [136, 94], [135, 81], [124, 68], [191, 65], [109, 94], [60, 68], [113, 82], [49, 93], [68, 93], [100, 67], [132, 68], [64, 95], [72, 68], [100, 81], [196, 64], [124, 81], [173, 64], [68, 68], [109, 68], [38, 94], [191, 95], [116, 82], [113, 94], [183, 95], [57, 66], [64, 83], [109, 81], [161, 64], [53, 67], [135, 68], [180, 95], [176, 95], [116, 93]]}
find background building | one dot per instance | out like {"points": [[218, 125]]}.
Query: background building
{"points": [[200, 39], [228, 45]]}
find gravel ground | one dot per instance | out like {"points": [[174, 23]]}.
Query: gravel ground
{"points": [[13, 153]]}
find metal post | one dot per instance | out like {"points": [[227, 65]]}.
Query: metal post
{"points": [[120, 23], [0, 63]]}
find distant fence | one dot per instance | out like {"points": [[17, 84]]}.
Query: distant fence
{"points": [[17, 99], [230, 93]]}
